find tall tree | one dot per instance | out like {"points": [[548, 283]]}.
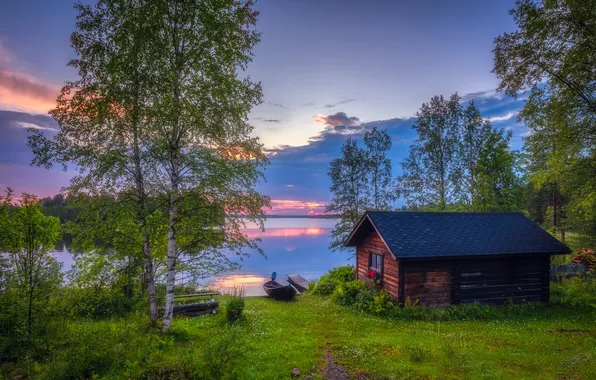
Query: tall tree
{"points": [[29, 239], [429, 176], [552, 56], [103, 114], [498, 187], [473, 136], [208, 159], [377, 144], [349, 184]]}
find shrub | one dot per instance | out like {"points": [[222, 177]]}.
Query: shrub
{"points": [[335, 277], [221, 355], [577, 292], [418, 353], [382, 304], [235, 305], [347, 294]]}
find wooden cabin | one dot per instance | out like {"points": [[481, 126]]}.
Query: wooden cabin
{"points": [[453, 258]]}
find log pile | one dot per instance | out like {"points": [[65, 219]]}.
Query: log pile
{"points": [[193, 309], [586, 257]]}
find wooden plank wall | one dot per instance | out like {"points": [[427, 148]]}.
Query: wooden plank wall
{"points": [[428, 282], [498, 280], [374, 244]]}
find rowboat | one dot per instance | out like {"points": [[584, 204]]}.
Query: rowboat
{"points": [[279, 291], [298, 282]]}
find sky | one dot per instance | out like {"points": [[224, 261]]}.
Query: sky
{"points": [[324, 66]]}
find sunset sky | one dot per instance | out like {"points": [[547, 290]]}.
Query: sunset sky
{"points": [[327, 68]]}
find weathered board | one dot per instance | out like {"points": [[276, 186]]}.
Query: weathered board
{"points": [[500, 280], [428, 282], [298, 282], [390, 271], [196, 308]]}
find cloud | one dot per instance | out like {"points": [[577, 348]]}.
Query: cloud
{"points": [[272, 121], [337, 119], [480, 95], [345, 101], [507, 116], [35, 126], [290, 186], [277, 105], [22, 92], [286, 206]]}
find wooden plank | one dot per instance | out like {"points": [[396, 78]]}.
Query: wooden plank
{"points": [[198, 295]]}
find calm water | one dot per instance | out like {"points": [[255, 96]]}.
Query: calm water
{"points": [[291, 245]]}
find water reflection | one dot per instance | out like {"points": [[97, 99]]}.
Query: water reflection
{"points": [[290, 245], [284, 232]]}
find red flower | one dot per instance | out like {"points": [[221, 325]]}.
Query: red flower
{"points": [[371, 273]]}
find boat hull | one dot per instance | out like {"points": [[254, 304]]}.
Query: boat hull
{"points": [[278, 291]]}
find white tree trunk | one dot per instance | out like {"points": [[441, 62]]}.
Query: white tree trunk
{"points": [[172, 251]]}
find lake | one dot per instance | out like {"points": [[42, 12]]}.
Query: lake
{"points": [[290, 245]]}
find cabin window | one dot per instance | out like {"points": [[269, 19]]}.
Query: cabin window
{"points": [[376, 262]]}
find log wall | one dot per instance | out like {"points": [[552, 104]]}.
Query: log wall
{"points": [[499, 280], [428, 282], [390, 277], [489, 280]]}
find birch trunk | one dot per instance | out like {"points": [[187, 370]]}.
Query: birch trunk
{"points": [[172, 254]]}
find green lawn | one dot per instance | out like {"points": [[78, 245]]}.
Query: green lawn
{"points": [[551, 343]]}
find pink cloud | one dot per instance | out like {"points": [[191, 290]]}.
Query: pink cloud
{"points": [[19, 92], [288, 207], [337, 119]]}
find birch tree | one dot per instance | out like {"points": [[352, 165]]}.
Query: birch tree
{"points": [[429, 176], [103, 115], [210, 163], [349, 186], [380, 192]]}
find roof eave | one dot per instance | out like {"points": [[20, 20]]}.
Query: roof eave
{"points": [[366, 216]]}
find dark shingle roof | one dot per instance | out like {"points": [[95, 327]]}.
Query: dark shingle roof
{"points": [[450, 234]]}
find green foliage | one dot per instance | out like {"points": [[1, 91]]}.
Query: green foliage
{"points": [[223, 354], [577, 292], [235, 305], [429, 176], [459, 162], [418, 353], [542, 341], [551, 57], [336, 276], [360, 181], [498, 188], [350, 293], [379, 191], [31, 277], [348, 185]]}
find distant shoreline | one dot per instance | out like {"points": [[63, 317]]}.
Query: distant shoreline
{"points": [[302, 216]]}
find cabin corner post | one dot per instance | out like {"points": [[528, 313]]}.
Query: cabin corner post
{"points": [[546, 279], [455, 283], [401, 289]]}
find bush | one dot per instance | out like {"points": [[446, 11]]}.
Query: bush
{"points": [[235, 305], [418, 353], [352, 292], [221, 355], [577, 292], [335, 277], [97, 349]]}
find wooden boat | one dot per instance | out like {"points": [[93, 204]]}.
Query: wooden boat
{"points": [[279, 291], [298, 282]]}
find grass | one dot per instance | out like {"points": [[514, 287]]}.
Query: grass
{"points": [[550, 342]]}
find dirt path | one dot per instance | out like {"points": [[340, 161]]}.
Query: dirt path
{"points": [[331, 370]]}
